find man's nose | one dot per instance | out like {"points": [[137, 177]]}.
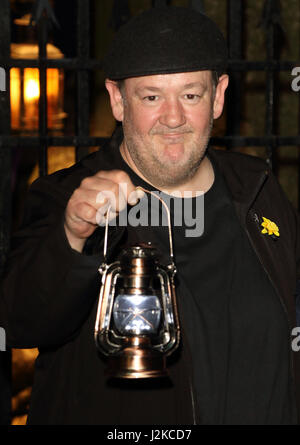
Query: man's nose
{"points": [[172, 114]]}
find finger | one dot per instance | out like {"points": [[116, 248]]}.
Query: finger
{"points": [[83, 212], [119, 177], [97, 199], [107, 190], [116, 201], [115, 176], [98, 183]]}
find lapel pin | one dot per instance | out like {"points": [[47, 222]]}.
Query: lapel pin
{"points": [[270, 228]]}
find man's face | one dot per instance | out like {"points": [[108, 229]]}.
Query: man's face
{"points": [[167, 122]]}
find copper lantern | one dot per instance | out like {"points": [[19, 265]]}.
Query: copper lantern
{"points": [[137, 322]]}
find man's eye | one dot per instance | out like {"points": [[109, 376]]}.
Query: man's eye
{"points": [[192, 96], [151, 98]]}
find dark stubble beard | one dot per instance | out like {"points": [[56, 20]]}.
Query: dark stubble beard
{"points": [[153, 169]]}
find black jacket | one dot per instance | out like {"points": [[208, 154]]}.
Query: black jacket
{"points": [[50, 294]]}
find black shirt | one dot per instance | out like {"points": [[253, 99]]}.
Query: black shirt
{"points": [[235, 324]]}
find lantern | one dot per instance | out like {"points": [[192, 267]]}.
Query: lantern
{"points": [[137, 323], [25, 87]]}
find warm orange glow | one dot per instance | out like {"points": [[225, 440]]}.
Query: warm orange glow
{"points": [[15, 97], [52, 83], [24, 101], [31, 85]]}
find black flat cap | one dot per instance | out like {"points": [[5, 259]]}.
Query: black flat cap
{"points": [[166, 40]]}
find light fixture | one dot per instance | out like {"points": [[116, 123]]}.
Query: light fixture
{"points": [[25, 87]]}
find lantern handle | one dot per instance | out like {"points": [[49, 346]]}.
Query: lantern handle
{"points": [[169, 226]]}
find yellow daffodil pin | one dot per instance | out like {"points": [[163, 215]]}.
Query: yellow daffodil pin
{"points": [[270, 228]]}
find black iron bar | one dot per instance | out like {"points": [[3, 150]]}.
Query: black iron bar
{"points": [[120, 14], [89, 64], [235, 48], [83, 86], [270, 83], [43, 37], [159, 3], [70, 64], [272, 40], [198, 5]]}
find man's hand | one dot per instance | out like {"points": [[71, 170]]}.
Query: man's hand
{"points": [[88, 204]]}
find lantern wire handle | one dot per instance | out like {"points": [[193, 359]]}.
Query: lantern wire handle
{"points": [[169, 225], [106, 234]]}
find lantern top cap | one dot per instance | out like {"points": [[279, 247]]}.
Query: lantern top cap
{"points": [[142, 250]]}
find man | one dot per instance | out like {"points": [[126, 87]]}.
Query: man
{"points": [[236, 280]]}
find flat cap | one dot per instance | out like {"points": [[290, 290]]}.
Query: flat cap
{"points": [[166, 40]]}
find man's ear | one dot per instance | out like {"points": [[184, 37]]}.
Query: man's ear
{"points": [[220, 95], [116, 100]]}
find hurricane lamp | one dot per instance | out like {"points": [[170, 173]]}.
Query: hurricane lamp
{"points": [[137, 324]]}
